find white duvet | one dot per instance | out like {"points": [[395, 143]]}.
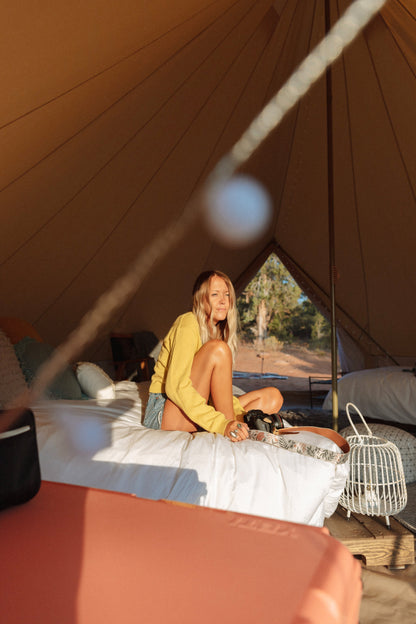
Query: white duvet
{"points": [[106, 446]]}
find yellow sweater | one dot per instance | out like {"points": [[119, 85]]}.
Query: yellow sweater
{"points": [[173, 370]]}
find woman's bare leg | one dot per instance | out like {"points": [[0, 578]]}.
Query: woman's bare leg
{"points": [[211, 376], [269, 400]]}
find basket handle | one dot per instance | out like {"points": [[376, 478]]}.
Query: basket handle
{"points": [[361, 416]]}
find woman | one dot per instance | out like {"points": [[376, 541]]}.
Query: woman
{"points": [[192, 384]]}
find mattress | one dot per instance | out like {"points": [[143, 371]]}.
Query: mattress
{"points": [[104, 445]]}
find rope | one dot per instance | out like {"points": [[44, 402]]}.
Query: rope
{"points": [[309, 71]]}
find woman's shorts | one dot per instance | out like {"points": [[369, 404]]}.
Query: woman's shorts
{"points": [[154, 410]]}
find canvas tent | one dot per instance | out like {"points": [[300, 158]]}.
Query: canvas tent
{"points": [[113, 113]]}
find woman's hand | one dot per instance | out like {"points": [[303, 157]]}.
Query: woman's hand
{"points": [[236, 431]]}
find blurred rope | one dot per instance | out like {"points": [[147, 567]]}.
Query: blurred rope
{"points": [[309, 71]]}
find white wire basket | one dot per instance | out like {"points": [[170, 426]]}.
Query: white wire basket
{"points": [[376, 483]]}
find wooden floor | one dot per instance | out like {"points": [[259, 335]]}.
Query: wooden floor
{"points": [[369, 538]]}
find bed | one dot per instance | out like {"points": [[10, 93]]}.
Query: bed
{"points": [[98, 440], [383, 394]]}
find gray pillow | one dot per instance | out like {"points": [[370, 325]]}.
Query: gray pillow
{"points": [[31, 355]]}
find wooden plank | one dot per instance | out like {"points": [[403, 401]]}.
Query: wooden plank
{"points": [[376, 525], [347, 528], [370, 538]]}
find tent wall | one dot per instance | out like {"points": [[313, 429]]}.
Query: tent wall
{"points": [[114, 113]]}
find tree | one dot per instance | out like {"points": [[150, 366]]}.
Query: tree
{"points": [[268, 300], [272, 304]]}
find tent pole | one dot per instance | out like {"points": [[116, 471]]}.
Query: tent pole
{"points": [[331, 227]]}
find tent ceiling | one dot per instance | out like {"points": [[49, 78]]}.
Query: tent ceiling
{"points": [[113, 113]]}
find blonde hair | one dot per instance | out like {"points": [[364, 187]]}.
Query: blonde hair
{"points": [[224, 330]]}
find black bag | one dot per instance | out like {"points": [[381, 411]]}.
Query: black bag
{"points": [[256, 419], [19, 459]]}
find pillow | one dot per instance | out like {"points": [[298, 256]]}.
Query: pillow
{"points": [[405, 442], [32, 354], [127, 390], [12, 381], [94, 381]]}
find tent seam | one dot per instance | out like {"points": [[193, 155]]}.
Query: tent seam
{"points": [[354, 186], [282, 190], [115, 103], [109, 67], [386, 108], [115, 154], [221, 134], [129, 208]]}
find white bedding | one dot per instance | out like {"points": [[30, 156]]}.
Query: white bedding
{"points": [[386, 393], [104, 445]]}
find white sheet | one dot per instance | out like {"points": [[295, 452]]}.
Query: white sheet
{"points": [[385, 393], [85, 443]]}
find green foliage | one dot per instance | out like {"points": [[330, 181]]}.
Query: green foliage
{"points": [[272, 305]]}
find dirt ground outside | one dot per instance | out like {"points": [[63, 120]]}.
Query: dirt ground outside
{"points": [[296, 362]]}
